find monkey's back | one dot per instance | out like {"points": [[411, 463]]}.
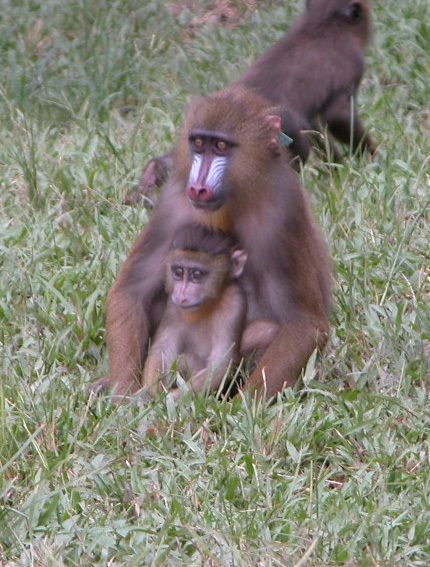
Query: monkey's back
{"points": [[311, 64]]}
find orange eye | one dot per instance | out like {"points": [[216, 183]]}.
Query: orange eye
{"points": [[221, 146], [198, 143]]}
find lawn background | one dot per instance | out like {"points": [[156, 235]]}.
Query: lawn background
{"points": [[335, 473]]}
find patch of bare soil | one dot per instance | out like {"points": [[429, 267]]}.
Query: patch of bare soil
{"points": [[221, 12]]}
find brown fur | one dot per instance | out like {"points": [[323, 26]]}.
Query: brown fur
{"points": [[316, 69], [286, 278], [207, 341], [257, 336], [205, 338], [312, 74]]}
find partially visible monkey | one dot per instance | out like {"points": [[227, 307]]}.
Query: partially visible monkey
{"points": [[316, 69], [230, 173], [203, 321], [312, 74]]}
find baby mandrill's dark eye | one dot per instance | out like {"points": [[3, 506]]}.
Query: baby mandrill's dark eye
{"points": [[197, 275], [177, 272]]}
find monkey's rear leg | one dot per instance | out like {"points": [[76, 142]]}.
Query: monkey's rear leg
{"points": [[343, 122], [322, 140], [257, 336]]}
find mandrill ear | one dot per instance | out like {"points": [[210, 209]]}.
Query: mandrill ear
{"points": [[273, 121], [354, 11], [238, 261]]}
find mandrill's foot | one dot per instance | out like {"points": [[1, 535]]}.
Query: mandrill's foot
{"points": [[137, 198], [153, 176]]}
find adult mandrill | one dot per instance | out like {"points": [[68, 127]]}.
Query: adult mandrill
{"points": [[230, 174], [312, 74]]}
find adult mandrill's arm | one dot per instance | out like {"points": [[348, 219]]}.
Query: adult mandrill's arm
{"points": [[127, 334], [134, 307]]}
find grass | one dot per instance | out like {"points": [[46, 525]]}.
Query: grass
{"points": [[335, 473]]}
